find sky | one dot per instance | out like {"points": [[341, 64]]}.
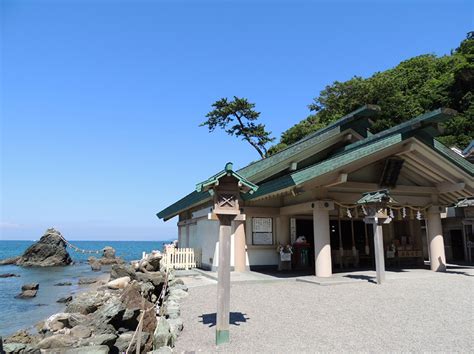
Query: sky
{"points": [[101, 100]]}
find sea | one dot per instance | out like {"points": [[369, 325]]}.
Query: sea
{"points": [[18, 314]]}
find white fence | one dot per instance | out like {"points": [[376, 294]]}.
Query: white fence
{"points": [[181, 258]]}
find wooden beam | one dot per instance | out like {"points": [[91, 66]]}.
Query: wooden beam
{"points": [[342, 178], [447, 187], [296, 209], [367, 187]]}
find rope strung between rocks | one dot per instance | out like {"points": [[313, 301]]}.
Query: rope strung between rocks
{"points": [[77, 249], [158, 311]]}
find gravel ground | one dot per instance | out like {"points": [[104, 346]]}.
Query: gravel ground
{"points": [[434, 312]]}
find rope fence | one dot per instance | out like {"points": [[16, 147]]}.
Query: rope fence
{"points": [[158, 307]]}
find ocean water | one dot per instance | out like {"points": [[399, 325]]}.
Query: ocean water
{"points": [[16, 314]]}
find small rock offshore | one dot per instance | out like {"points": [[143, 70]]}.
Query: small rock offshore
{"points": [[105, 319]]}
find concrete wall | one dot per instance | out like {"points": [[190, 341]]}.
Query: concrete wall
{"points": [[206, 238]]}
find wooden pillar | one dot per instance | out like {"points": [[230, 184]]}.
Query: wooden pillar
{"points": [[322, 238], [377, 220], [435, 239], [223, 280], [240, 253], [187, 236]]}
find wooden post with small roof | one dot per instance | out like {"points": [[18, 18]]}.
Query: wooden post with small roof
{"points": [[225, 187]]}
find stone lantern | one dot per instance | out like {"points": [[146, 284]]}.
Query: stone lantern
{"points": [[375, 204], [226, 188]]}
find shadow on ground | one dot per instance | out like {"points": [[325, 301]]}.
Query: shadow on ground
{"points": [[235, 318]]}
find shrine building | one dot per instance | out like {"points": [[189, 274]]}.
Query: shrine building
{"points": [[317, 195]]}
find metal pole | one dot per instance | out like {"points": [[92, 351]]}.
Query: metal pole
{"points": [[223, 281]]}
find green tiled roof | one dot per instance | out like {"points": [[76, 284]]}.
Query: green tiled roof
{"points": [[348, 154]]}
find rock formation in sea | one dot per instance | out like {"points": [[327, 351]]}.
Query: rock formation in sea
{"points": [[49, 251]]}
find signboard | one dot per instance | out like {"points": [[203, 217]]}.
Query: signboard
{"points": [[262, 231]]}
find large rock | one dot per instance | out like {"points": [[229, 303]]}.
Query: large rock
{"points": [[124, 339], [119, 283], [8, 275], [121, 270], [64, 300], [56, 341], [108, 252], [81, 331], [101, 339], [49, 251], [89, 302], [90, 349], [32, 286], [14, 348], [162, 336], [133, 301], [26, 294], [22, 336]]}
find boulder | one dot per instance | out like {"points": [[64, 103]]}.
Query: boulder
{"points": [[154, 260], [171, 309], [63, 300], [26, 294], [49, 251], [176, 326], [89, 302], [86, 281], [133, 300], [91, 349], [162, 336], [56, 341], [119, 271], [110, 313], [119, 283], [21, 336], [177, 294], [81, 331], [14, 347], [8, 275], [56, 322], [155, 278], [108, 252], [96, 266], [124, 339], [65, 283], [32, 286], [101, 339]]}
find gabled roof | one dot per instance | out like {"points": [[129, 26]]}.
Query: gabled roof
{"points": [[420, 127], [227, 171], [365, 148]]}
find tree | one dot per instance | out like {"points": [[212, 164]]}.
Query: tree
{"points": [[238, 117], [414, 86]]}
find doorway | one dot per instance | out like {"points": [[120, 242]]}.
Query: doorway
{"points": [[457, 245]]}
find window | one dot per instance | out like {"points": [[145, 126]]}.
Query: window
{"points": [[262, 231]]}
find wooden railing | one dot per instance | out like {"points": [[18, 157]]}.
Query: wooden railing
{"points": [[181, 258]]}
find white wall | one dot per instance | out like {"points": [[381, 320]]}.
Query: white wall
{"points": [[207, 236]]}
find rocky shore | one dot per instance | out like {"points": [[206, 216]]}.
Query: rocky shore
{"points": [[105, 319]]}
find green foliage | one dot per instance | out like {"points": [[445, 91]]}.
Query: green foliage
{"points": [[415, 86], [238, 118]]}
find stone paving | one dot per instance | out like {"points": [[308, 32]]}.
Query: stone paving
{"points": [[414, 311]]}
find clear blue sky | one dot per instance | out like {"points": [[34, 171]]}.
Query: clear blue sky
{"points": [[101, 100]]}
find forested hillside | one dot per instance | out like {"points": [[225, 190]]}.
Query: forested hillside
{"points": [[414, 86]]}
